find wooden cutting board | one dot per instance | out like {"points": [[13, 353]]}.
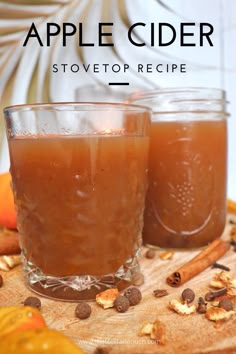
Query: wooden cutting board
{"points": [[192, 334]]}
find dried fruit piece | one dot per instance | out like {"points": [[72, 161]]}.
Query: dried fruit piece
{"points": [[231, 206], [83, 310], [1, 281], [146, 328], [218, 314], [9, 262], [166, 255], [150, 254], [158, 332], [218, 284], [188, 295], [133, 295], [222, 279], [225, 277], [160, 292], [106, 298], [33, 301], [121, 303], [233, 234], [226, 304], [181, 309]]}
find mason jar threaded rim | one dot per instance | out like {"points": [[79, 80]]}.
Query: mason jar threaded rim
{"points": [[192, 101]]}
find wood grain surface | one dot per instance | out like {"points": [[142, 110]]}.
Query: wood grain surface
{"points": [[118, 333]]}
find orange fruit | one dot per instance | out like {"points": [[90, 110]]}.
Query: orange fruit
{"points": [[38, 341], [7, 207], [17, 318]]}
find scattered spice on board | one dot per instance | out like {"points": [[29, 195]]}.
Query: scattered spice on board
{"points": [[150, 253], [33, 301], [160, 292], [188, 295], [83, 311], [166, 255], [134, 295], [196, 265], [121, 303]]}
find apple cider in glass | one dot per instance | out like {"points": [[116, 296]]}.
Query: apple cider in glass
{"points": [[80, 201]]}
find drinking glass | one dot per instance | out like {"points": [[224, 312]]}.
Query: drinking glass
{"points": [[79, 174]]}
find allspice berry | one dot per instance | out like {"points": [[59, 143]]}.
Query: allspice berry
{"points": [[83, 310], [150, 254], [1, 281], [226, 304], [138, 279], [33, 302], [188, 295], [121, 303], [133, 295]]}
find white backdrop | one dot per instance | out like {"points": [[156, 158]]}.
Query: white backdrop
{"points": [[206, 66]]}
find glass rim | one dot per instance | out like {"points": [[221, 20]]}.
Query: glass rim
{"points": [[142, 94], [183, 100], [196, 114], [81, 106]]}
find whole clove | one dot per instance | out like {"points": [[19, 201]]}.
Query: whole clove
{"points": [[220, 266], [202, 306], [211, 295]]}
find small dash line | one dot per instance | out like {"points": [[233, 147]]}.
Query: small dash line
{"points": [[118, 83]]}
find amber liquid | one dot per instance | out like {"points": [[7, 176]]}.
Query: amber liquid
{"points": [[185, 204], [80, 201]]}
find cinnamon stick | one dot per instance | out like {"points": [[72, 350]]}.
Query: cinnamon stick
{"points": [[204, 259], [9, 242]]}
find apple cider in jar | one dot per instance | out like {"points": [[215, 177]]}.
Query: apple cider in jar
{"points": [[186, 198]]}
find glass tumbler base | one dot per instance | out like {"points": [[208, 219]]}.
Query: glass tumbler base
{"points": [[78, 287]]}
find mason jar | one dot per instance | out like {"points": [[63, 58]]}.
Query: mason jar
{"points": [[186, 198]]}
